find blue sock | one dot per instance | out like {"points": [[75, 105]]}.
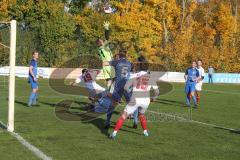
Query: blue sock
{"points": [[109, 115], [35, 99], [194, 100], [31, 98], [188, 100], [135, 117]]}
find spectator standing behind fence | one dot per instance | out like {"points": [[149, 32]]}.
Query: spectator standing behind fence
{"points": [[210, 74]]}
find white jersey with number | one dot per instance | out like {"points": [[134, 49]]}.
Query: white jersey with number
{"points": [[140, 84], [201, 74], [89, 80]]}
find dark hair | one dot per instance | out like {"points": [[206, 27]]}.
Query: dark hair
{"points": [[34, 52], [142, 64], [84, 70], [199, 60], [141, 59], [122, 54], [98, 40], [194, 61]]}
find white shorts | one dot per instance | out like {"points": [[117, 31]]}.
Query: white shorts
{"points": [[140, 103], [199, 86]]}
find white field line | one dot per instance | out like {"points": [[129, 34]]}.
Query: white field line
{"points": [[193, 121], [37, 152]]}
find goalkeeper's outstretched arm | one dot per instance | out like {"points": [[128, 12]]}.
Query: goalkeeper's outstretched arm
{"points": [[107, 31], [106, 25]]}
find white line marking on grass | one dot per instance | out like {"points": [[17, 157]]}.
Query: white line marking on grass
{"points": [[214, 126], [26, 144], [198, 122], [169, 115]]}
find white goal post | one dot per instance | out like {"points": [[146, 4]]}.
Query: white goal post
{"points": [[12, 59]]}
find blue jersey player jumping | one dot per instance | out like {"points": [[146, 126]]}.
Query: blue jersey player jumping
{"points": [[122, 73], [191, 76], [32, 78]]}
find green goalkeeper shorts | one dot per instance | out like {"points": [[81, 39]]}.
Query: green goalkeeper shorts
{"points": [[108, 72]]}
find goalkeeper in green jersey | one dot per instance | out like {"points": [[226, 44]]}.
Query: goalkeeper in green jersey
{"points": [[106, 55]]}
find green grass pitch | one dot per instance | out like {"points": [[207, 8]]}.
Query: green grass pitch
{"points": [[170, 138]]}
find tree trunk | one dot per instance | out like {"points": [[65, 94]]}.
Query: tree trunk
{"points": [[236, 14], [165, 25], [183, 13], [236, 22]]}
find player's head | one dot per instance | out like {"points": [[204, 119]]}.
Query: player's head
{"points": [[35, 55], [116, 56], [194, 64], [141, 59], [99, 42], [84, 70], [121, 54], [199, 62], [142, 64]]}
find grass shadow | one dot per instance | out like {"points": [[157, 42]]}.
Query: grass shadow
{"points": [[21, 103], [84, 113], [170, 102], [228, 129]]}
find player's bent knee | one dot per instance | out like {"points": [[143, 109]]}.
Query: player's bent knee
{"points": [[124, 115], [140, 115], [35, 90]]}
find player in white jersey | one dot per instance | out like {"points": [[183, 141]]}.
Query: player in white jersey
{"points": [[140, 87], [135, 114], [200, 81], [88, 78]]}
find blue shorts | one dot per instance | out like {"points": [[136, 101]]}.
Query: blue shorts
{"points": [[34, 84], [105, 102], [190, 87], [119, 91]]}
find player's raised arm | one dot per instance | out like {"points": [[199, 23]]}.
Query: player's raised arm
{"points": [[110, 63], [78, 80], [106, 63], [105, 44], [106, 25]]}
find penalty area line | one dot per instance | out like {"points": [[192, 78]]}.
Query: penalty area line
{"points": [[37, 152]]}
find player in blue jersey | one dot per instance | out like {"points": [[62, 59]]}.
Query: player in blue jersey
{"points": [[32, 79], [122, 73], [191, 76]]}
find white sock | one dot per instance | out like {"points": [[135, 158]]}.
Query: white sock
{"points": [[115, 132]]}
